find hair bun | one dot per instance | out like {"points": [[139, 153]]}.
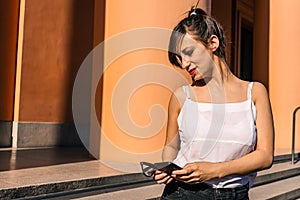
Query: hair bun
{"points": [[197, 11]]}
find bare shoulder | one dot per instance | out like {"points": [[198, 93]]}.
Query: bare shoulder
{"points": [[179, 96], [259, 86], [259, 92]]}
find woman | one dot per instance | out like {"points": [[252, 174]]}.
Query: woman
{"points": [[220, 128]]}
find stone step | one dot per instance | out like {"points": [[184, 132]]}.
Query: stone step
{"points": [[277, 172], [279, 190], [268, 185], [66, 188], [281, 182], [126, 184], [151, 192]]}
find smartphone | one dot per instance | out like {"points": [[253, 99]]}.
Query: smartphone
{"points": [[168, 167]]}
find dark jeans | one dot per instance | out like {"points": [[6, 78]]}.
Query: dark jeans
{"points": [[177, 190]]}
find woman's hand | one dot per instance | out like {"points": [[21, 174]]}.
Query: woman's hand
{"points": [[162, 177], [196, 172]]}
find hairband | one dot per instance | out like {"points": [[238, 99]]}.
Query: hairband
{"points": [[194, 9], [193, 12]]}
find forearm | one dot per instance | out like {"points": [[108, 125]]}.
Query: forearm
{"points": [[254, 161]]}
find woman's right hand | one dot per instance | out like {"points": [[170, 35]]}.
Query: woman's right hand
{"points": [[162, 177]]}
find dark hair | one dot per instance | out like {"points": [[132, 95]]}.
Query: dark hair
{"points": [[201, 27]]}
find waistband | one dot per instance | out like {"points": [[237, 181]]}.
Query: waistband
{"points": [[204, 186], [193, 187]]}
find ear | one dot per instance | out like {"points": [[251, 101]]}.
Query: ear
{"points": [[213, 42]]}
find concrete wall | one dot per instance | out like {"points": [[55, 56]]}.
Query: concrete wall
{"points": [[57, 35]]}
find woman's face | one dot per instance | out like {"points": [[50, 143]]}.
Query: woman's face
{"points": [[196, 58]]}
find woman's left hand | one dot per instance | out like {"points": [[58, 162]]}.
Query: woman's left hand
{"points": [[197, 172]]}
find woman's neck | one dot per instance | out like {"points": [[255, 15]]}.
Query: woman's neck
{"points": [[220, 72]]}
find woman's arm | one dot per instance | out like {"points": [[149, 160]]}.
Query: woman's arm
{"points": [[172, 142], [260, 158]]}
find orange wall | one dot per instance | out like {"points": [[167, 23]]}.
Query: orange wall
{"points": [[8, 39], [284, 68], [123, 16], [261, 42], [58, 35], [224, 17]]}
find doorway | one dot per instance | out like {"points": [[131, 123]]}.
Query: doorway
{"points": [[243, 38], [246, 52]]}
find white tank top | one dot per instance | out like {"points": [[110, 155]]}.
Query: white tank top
{"points": [[217, 133]]}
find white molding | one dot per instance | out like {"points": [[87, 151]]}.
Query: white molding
{"points": [[18, 74], [15, 127]]}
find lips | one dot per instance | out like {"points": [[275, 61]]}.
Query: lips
{"points": [[192, 71]]}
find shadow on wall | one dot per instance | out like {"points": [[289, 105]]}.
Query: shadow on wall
{"points": [[88, 20], [81, 44], [8, 39]]}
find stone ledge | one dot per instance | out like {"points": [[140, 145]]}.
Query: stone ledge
{"points": [[33, 134], [107, 184], [5, 133]]}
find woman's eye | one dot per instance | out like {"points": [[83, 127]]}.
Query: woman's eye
{"points": [[189, 53]]}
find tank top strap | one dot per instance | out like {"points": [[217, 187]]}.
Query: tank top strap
{"points": [[250, 85], [186, 91]]}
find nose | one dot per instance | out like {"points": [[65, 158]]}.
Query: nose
{"points": [[185, 64]]}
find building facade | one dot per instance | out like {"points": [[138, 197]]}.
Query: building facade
{"points": [[45, 43]]}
